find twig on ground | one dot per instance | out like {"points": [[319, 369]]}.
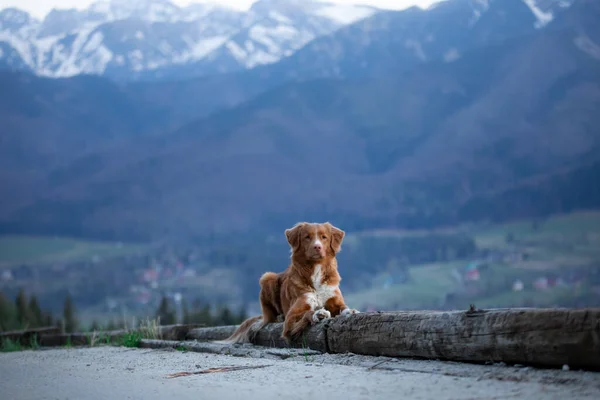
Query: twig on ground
{"points": [[212, 370], [378, 364]]}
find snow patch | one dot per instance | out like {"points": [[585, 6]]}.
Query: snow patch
{"points": [[136, 60], [261, 35], [199, 50], [344, 13], [21, 46], [96, 63], [588, 46], [94, 42], [479, 8], [236, 51], [417, 48], [261, 58], [280, 17], [543, 18]]}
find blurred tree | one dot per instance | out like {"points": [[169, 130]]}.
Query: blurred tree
{"points": [[242, 315], [8, 314], [47, 319], [23, 315], [69, 317], [225, 316], [165, 313], [185, 311], [95, 326], [111, 326], [35, 312]]}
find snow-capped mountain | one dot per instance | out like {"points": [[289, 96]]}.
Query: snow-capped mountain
{"points": [[129, 38], [394, 41]]}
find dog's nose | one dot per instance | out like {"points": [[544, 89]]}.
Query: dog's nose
{"points": [[318, 246]]}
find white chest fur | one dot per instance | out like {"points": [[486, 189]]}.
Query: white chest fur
{"points": [[321, 291]]}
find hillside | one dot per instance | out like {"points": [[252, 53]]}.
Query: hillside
{"points": [[441, 141], [402, 150]]}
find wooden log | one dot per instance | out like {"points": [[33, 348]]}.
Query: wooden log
{"points": [[539, 337], [315, 337], [26, 337], [177, 332], [211, 333], [270, 336], [165, 332], [81, 339]]}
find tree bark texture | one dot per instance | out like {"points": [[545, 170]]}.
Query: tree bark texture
{"points": [[542, 337], [211, 333], [539, 337]]}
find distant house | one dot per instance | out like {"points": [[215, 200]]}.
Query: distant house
{"points": [[472, 272], [7, 275], [541, 283], [189, 273], [518, 286], [150, 275], [143, 297]]}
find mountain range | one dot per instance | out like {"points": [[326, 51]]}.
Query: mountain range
{"points": [[469, 110], [151, 39]]}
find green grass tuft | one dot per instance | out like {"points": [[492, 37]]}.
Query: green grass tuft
{"points": [[132, 339], [10, 346]]}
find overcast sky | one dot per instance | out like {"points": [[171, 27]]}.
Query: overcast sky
{"points": [[40, 8]]}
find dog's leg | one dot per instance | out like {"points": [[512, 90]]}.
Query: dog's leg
{"points": [[299, 317], [337, 306]]}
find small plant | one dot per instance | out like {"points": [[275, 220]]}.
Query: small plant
{"points": [[93, 338], [150, 329], [304, 348], [180, 348], [132, 339], [10, 346], [33, 342], [107, 339]]}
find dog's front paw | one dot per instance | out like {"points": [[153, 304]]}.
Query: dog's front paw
{"points": [[346, 312], [320, 315]]}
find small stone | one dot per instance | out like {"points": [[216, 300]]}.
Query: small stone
{"points": [[565, 367]]}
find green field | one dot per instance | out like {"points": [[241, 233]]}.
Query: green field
{"points": [[18, 250], [560, 243]]}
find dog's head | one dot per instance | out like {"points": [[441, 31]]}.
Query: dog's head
{"points": [[314, 242]]}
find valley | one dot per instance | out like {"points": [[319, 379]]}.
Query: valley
{"points": [[549, 262]]}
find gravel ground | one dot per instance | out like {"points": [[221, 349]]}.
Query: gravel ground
{"points": [[121, 373]]}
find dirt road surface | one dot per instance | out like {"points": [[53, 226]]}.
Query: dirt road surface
{"points": [[109, 373]]}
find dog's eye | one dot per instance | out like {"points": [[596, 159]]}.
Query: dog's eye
{"points": [[323, 237], [307, 237]]}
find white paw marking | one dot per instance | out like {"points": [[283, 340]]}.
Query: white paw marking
{"points": [[320, 314], [346, 312]]}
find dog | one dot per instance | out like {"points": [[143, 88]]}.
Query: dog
{"points": [[307, 292]]}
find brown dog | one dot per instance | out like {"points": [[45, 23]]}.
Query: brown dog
{"points": [[307, 291]]}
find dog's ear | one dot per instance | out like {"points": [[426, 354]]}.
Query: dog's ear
{"points": [[293, 235], [337, 237]]}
